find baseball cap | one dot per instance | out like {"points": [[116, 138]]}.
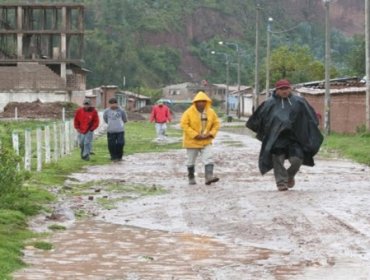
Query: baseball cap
{"points": [[282, 84]]}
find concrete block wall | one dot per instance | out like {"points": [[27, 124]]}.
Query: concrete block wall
{"points": [[31, 96]]}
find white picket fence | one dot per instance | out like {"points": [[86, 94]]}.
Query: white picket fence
{"points": [[52, 142]]}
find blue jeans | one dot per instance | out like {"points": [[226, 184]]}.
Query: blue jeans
{"points": [[85, 141], [116, 142]]}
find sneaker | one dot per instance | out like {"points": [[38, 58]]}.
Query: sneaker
{"points": [[291, 183], [282, 187]]}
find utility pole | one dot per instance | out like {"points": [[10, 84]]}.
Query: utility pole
{"points": [[367, 46], [227, 84], [227, 62], [237, 49], [327, 69], [256, 74], [268, 59]]}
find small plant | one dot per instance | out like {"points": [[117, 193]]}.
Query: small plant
{"points": [[361, 129], [42, 245], [57, 227]]}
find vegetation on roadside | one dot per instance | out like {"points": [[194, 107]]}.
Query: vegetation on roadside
{"points": [[56, 227], [355, 147], [24, 194], [42, 245]]}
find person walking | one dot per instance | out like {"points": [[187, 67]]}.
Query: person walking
{"points": [[116, 118], [160, 115], [86, 120], [288, 127], [200, 125]]}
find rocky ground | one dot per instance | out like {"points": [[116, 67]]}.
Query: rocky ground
{"points": [[240, 228]]}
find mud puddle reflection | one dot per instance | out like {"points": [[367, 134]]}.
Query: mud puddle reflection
{"points": [[98, 250]]}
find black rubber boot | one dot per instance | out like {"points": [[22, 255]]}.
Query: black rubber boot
{"points": [[209, 175], [191, 175]]}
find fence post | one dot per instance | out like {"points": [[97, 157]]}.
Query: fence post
{"points": [[67, 138], [63, 114], [28, 149], [47, 145], [56, 145], [15, 140], [39, 148], [16, 113], [61, 139], [72, 135]]}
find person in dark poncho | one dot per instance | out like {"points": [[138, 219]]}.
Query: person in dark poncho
{"points": [[288, 128]]}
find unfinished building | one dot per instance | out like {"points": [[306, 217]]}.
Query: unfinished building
{"points": [[41, 52]]}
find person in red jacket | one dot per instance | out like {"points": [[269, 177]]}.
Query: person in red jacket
{"points": [[161, 116], [86, 120]]}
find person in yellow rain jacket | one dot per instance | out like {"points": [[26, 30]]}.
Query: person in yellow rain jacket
{"points": [[200, 125]]}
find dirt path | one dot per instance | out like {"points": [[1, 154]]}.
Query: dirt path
{"points": [[240, 228]]}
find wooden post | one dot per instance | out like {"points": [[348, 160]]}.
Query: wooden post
{"points": [[28, 150], [61, 139], [64, 114], [72, 135], [15, 140], [39, 148], [16, 113], [56, 145], [67, 138], [47, 145]]}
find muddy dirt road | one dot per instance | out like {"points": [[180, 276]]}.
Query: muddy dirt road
{"points": [[240, 228]]}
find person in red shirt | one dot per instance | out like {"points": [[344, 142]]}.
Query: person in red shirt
{"points": [[86, 120], [161, 116]]}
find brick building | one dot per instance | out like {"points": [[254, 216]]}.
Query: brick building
{"points": [[348, 106]]}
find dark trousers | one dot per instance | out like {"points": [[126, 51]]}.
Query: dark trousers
{"points": [[116, 142], [282, 175]]}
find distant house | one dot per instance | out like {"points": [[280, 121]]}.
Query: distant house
{"points": [[185, 92], [348, 102], [240, 101], [133, 101], [99, 96]]}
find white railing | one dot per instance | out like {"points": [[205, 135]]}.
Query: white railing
{"points": [[48, 143]]}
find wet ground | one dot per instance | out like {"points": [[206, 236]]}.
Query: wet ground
{"points": [[240, 228]]}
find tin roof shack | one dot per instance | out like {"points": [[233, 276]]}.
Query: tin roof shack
{"points": [[347, 106], [41, 50], [241, 100], [186, 91], [133, 101], [99, 96]]}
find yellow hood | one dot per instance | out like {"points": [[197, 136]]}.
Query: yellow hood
{"points": [[202, 96]]}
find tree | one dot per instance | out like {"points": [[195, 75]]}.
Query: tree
{"points": [[295, 63], [356, 58]]}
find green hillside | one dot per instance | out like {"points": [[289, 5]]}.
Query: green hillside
{"points": [[156, 42]]}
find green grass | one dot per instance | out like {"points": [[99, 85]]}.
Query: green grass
{"points": [[56, 227], [355, 147], [13, 233], [42, 245], [15, 208]]}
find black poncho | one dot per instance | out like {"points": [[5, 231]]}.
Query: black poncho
{"points": [[278, 115]]}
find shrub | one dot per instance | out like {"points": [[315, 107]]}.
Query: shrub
{"points": [[10, 178]]}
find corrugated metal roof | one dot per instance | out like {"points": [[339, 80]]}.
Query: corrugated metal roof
{"points": [[319, 91]]}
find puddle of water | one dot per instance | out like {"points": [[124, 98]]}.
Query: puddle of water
{"points": [[98, 250]]}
